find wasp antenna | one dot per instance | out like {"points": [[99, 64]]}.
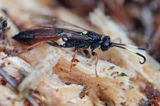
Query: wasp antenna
{"points": [[129, 48]]}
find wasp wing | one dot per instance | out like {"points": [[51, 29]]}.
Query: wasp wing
{"points": [[53, 22], [46, 33], [46, 27]]}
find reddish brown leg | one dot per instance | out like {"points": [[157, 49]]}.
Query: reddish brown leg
{"points": [[29, 48], [73, 61], [96, 62]]}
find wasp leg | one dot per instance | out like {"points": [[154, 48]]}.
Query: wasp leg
{"points": [[29, 48], [73, 61], [96, 62], [66, 45], [86, 53]]}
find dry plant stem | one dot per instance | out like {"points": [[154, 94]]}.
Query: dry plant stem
{"points": [[10, 80], [13, 84], [32, 101]]}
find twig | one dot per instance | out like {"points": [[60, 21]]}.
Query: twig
{"points": [[14, 84]]}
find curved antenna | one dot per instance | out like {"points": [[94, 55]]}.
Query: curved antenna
{"points": [[129, 47], [144, 58]]}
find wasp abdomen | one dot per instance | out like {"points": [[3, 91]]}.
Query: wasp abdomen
{"points": [[24, 37]]}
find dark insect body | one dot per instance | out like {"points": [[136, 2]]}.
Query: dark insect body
{"points": [[3, 25], [55, 29]]}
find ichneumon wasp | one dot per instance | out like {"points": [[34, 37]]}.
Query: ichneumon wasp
{"points": [[52, 29]]}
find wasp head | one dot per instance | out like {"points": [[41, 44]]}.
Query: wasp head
{"points": [[105, 44]]}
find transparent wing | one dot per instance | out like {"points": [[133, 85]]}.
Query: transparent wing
{"points": [[53, 22], [57, 26]]}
